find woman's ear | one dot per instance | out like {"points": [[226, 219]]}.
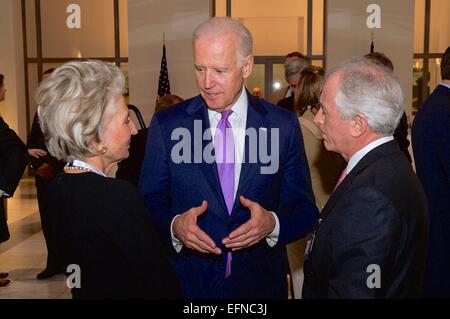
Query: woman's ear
{"points": [[98, 147]]}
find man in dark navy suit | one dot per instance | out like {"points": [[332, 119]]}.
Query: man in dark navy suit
{"points": [[293, 70], [372, 239], [401, 132], [228, 217], [431, 146], [13, 159]]}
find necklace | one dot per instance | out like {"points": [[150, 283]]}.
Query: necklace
{"points": [[78, 165], [68, 168]]}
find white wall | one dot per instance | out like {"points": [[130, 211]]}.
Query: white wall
{"points": [[147, 21], [348, 36], [11, 65], [95, 38], [439, 26], [278, 27]]}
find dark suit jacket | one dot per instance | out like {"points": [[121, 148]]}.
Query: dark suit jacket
{"points": [[101, 224], [287, 103], [130, 168], [36, 140], [13, 159], [170, 189], [431, 145], [401, 136], [377, 216]]}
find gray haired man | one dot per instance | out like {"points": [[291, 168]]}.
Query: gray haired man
{"points": [[372, 239]]}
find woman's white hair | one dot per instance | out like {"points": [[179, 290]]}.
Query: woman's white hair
{"points": [[222, 26], [72, 103], [369, 89]]}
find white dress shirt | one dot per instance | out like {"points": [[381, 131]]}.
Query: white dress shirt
{"points": [[238, 121], [354, 160], [445, 84]]}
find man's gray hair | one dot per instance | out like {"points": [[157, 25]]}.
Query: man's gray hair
{"points": [[72, 104], [221, 26], [296, 66], [369, 89]]}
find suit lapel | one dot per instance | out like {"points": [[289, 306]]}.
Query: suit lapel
{"points": [[375, 154], [256, 120], [198, 111]]}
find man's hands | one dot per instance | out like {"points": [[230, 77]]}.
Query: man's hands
{"points": [[260, 225], [185, 228]]}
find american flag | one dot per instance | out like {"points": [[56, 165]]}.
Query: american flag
{"points": [[163, 85]]}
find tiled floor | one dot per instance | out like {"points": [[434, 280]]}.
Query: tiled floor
{"points": [[24, 254]]}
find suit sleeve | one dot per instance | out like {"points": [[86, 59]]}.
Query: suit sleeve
{"points": [[36, 140], [362, 244], [401, 136], [13, 159], [297, 211], [154, 181], [444, 149]]}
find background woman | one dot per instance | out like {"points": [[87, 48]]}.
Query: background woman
{"points": [[13, 159], [324, 166]]}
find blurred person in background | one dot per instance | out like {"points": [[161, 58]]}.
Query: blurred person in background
{"points": [[401, 132], [292, 74], [431, 146], [324, 166], [256, 92], [45, 167], [130, 168], [13, 159]]}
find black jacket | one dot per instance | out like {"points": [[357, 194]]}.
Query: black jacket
{"points": [[13, 159], [287, 103], [36, 140], [376, 217], [103, 226]]}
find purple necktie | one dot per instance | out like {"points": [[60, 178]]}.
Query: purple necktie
{"points": [[224, 150]]}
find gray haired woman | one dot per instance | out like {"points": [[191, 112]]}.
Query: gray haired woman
{"points": [[104, 232]]}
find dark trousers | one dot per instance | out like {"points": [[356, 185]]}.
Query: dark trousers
{"points": [[47, 221], [4, 232]]}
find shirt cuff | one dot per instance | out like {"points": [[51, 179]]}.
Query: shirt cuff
{"points": [[272, 239], [176, 243], [3, 193]]}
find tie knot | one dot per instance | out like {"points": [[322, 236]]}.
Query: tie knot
{"points": [[226, 115]]}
